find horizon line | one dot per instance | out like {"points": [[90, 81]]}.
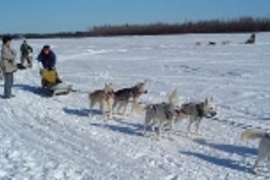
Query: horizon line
{"points": [[91, 29]]}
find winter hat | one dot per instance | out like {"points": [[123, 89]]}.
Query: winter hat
{"points": [[46, 47], [6, 39]]}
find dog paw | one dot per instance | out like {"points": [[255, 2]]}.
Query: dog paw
{"points": [[142, 134], [110, 117], [158, 138], [188, 136], [198, 134], [171, 138], [124, 117]]}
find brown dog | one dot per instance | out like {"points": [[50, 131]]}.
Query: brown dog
{"points": [[103, 97]]}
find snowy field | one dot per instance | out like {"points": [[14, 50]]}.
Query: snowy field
{"points": [[52, 138]]}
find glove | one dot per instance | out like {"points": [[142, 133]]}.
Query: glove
{"points": [[41, 71], [51, 68]]}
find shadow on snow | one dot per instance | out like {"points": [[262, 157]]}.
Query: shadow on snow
{"points": [[240, 150], [118, 128], [81, 112], [32, 89], [227, 163]]}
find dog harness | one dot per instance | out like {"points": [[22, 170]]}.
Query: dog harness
{"points": [[167, 112], [200, 111]]}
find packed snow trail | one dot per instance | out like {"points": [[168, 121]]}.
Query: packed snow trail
{"points": [[52, 137]]}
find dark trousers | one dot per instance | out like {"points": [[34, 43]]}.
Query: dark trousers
{"points": [[8, 85], [27, 58]]}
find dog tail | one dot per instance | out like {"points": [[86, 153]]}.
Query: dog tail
{"points": [[173, 97], [252, 134]]}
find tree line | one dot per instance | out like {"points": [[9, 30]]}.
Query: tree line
{"points": [[238, 25]]}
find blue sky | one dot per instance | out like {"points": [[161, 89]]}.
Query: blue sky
{"points": [[19, 16]]}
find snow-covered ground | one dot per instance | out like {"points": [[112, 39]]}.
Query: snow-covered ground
{"points": [[52, 138]]}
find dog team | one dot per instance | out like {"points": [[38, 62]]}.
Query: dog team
{"points": [[160, 115], [165, 115]]}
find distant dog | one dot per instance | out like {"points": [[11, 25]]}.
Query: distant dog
{"points": [[198, 43], [103, 97], [211, 43], [226, 42], [126, 95], [196, 111], [264, 145], [160, 114]]}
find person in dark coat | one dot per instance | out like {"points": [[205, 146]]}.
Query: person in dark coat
{"points": [[251, 39], [47, 58], [26, 54]]}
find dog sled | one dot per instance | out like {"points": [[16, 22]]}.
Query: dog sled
{"points": [[251, 39], [51, 83], [20, 66]]}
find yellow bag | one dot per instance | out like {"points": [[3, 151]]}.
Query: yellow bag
{"points": [[49, 76]]}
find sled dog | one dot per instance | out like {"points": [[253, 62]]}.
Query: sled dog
{"points": [[198, 43], [103, 97], [211, 43], [226, 42], [123, 96], [264, 144], [160, 114], [196, 111]]}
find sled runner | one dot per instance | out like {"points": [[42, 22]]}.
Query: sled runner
{"points": [[20, 66], [51, 83]]}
